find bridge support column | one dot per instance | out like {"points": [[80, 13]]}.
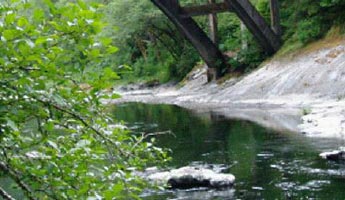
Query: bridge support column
{"points": [[255, 24], [193, 33]]}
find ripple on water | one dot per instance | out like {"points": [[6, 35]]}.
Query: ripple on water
{"points": [[324, 172], [314, 185]]}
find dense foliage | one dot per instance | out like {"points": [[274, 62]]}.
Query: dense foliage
{"points": [[56, 142], [309, 20]]}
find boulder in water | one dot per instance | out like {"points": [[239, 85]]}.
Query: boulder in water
{"points": [[193, 177], [337, 155]]}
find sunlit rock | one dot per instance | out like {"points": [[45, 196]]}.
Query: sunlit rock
{"points": [[337, 155], [191, 177]]}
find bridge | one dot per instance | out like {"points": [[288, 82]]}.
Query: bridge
{"points": [[267, 36]]}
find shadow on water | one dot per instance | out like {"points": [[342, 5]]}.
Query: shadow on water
{"points": [[267, 164]]}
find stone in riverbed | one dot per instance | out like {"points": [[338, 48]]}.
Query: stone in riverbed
{"points": [[338, 155], [193, 177]]}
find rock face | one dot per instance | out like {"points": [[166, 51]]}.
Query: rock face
{"points": [[338, 155], [192, 177]]}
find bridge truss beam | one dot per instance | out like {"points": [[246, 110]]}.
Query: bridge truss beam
{"points": [[209, 51], [206, 9], [182, 18]]}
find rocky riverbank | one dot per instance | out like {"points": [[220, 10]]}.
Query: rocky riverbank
{"points": [[303, 92]]}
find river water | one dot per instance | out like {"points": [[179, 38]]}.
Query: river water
{"points": [[267, 164]]}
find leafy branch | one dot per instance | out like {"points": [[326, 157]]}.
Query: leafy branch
{"points": [[14, 175]]}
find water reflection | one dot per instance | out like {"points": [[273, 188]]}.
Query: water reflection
{"points": [[267, 164]]}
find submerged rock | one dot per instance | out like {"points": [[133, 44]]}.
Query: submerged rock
{"points": [[192, 177], [337, 155]]}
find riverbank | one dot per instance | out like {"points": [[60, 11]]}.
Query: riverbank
{"points": [[301, 92]]}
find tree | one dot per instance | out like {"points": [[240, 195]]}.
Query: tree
{"points": [[56, 141]]}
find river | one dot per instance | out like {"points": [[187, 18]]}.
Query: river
{"points": [[267, 164]]}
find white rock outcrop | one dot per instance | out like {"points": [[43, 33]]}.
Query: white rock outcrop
{"points": [[191, 177]]}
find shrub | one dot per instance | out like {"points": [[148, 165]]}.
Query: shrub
{"points": [[309, 30]]}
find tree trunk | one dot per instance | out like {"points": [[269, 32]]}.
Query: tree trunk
{"points": [[275, 18], [213, 25], [244, 41]]}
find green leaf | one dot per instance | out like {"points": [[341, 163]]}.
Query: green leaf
{"points": [[49, 126], [10, 34], [112, 49], [51, 6], [82, 4], [22, 21], [116, 191], [88, 14], [24, 48], [115, 96], [34, 57], [106, 41], [41, 40], [38, 15], [10, 18], [95, 53], [110, 74]]}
